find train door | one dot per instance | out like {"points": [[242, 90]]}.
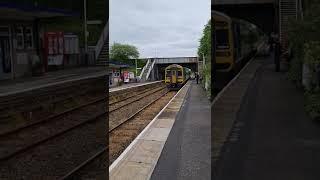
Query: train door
{"points": [[5, 53], [174, 76]]}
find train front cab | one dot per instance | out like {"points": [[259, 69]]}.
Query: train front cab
{"points": [[174, 77], [227, 43]]}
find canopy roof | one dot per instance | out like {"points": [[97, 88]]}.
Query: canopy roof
{"points": [[117, 64], [28, 12]]}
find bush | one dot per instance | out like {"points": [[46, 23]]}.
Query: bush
{"points": [[206, 74], [312, 104]]}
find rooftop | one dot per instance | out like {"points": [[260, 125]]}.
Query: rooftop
{"points": [[17, 11]]}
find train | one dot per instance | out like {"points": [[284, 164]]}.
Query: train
{"points": [[176, 76], [233, 46]]}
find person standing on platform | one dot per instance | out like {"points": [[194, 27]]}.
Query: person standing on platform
{"points": [[197, 77], [271, 41], [277, 53]]}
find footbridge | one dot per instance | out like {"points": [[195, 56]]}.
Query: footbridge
{"points": [[154, 69]]}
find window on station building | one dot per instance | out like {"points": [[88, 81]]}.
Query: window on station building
{"points": [[28, 38], [116, 74], [20, 37]]}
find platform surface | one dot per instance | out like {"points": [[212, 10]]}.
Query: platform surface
{"points": [[187, 152], [50, 78], [272, 136]]}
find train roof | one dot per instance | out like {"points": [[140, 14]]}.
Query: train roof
{"points": [[174, 65], [221, 14]]}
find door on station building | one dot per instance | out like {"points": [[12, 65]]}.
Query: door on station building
{"points": [[5, 54]]}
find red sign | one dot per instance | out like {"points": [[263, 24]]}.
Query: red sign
{"points": [[126, 76], [53, 48]]}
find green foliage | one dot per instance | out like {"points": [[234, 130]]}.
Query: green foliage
{"points": [[312, 104], [124, 53], [205, 49], [312, 53], [304, 42], [249, 35], [301, 32], [205, 41], [207, 79]]}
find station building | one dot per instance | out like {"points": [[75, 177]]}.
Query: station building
{"points": [[116, 69], [21, 37]]}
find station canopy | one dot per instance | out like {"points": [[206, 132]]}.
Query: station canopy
{"points": [[117, 64], [14, 11]]}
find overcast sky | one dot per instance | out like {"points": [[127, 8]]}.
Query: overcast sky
{"points": [[162, 28]]}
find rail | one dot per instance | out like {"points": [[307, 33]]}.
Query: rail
{"points": [[137, 112]]}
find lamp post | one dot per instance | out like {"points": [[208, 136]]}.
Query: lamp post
{"points": [[203, 61], [136, 67], [85, 28]]}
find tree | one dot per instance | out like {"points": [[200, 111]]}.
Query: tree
{"points": [[205, 41], [123, 52], [205, 49]]}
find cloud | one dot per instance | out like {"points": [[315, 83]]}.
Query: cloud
{"points": [[166, 28]]}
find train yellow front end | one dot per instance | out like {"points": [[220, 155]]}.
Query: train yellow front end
{"points": [[175, 76]]}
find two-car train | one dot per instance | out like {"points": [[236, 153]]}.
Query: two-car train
{"points": [[232, 46], [176, 76]]}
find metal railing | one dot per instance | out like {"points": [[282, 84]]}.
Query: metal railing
{"points": [[287, 9], [176, 60], [150, 68], [143, 69], [102, 39]]}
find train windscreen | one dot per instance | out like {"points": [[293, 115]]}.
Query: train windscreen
{"points": [[222, 39]]}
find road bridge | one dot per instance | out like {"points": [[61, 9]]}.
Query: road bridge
{"points": [[268, 15], [157, 72], [262, 13]]}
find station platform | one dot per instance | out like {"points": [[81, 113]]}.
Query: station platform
{"points": [[261, 130], [130, 85], [175, 145], [187, 152], [18, 85]]}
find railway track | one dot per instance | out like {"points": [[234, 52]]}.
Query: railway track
{"points": [[116, 105], [131, 99], [127, 95], [164, 98], [120, 113], [18, 111], [27, 137], [137, 112], [77, 170], [74, 173], [121, 135]]}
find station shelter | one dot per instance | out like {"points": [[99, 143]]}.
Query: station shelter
{"points": [[21, 37], [116, 70]]}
